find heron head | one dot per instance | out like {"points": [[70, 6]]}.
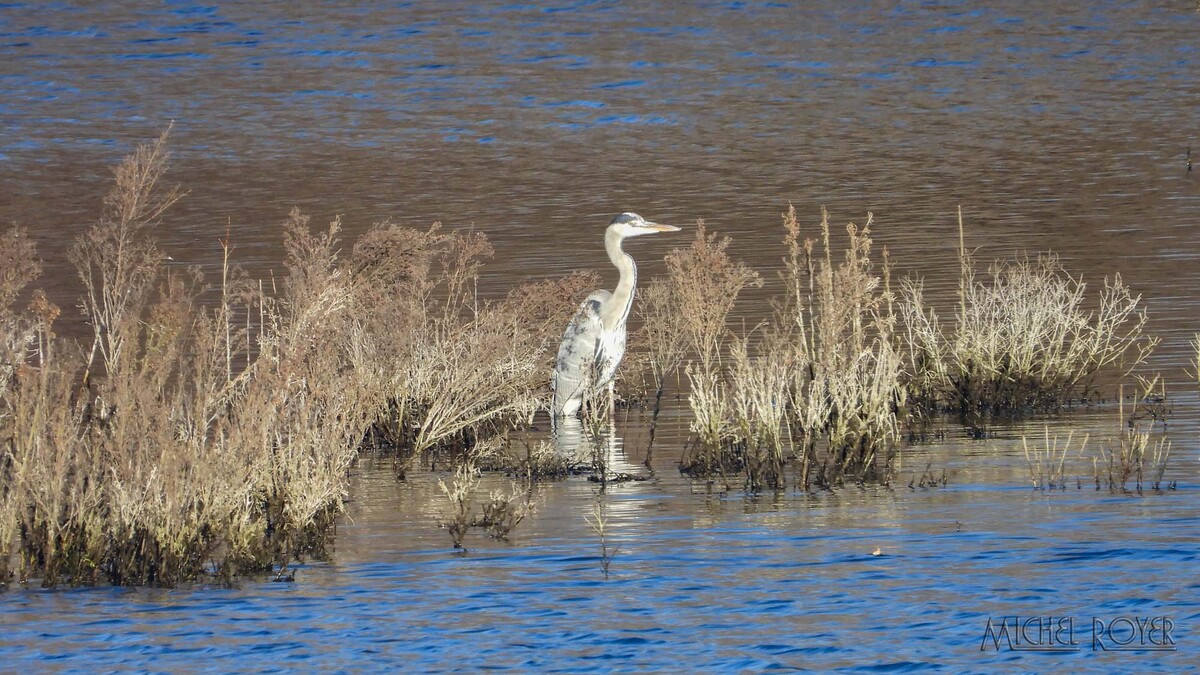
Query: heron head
{"points": [[633, 225]]}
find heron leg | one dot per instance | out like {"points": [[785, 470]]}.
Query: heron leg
{"points": [[612, 400]]}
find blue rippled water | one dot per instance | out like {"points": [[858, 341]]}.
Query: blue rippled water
{"points": [[1055, 125], [715, 583]]}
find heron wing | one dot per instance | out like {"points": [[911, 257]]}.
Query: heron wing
{"points": [[578, 354]]}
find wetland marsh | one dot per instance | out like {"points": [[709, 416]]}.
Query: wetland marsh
{"points": [[1054, 126]]}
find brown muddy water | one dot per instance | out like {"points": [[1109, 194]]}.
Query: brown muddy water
{"points": [[1058, 126]]}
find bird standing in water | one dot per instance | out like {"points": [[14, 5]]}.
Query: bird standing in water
{"points": [[594, 341]]}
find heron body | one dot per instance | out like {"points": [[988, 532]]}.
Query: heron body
{"points": [[588, 356], [594, 342]]}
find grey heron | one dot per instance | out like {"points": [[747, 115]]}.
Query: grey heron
{"points": [[594, 341]]}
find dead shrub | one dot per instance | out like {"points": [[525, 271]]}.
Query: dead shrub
{"points": [[846, 386], [824, 374], [202, 435], [454, 369], [1141, 450], [1022, 340], [704, 285]]}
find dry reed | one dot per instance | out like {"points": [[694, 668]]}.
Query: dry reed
{"points": [[213, 428], [453, 369], [846, 373], [1047, 462], [1141, 449], [704, 284], [824, 374], [1022, 341]]}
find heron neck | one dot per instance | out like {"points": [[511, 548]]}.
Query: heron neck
{"points": [[617, 311]]}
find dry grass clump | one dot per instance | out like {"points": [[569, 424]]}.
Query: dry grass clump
{"points": [[847, 385], [1135, 455], [760, 389], [501, 511], [831, 379], [1139, 452], [211, 427], [1141, 449], [202, 438], [215, 426], [824, 375], [1047, 462], [703, 287], [453, 369], [1022, 341]]}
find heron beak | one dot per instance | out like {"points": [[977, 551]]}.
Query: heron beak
{"points": [[659, 227]]}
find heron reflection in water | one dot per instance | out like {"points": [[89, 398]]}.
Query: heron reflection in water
{"points": [[600, 449], [594, 341]]}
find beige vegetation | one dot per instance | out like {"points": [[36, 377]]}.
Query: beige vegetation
{"points": [[210, 428], [1021, 340], [1133, 459], [824, 373], [199, 435], [845, 365]]}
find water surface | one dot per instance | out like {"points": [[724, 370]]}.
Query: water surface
{"points": [[1054, 125]]}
